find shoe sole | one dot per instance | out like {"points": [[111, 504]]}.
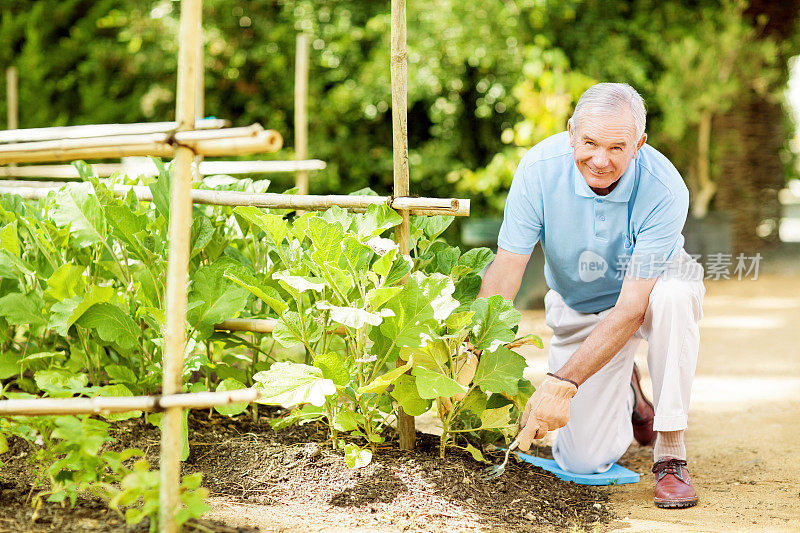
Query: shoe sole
{"points": [[676, 504]]}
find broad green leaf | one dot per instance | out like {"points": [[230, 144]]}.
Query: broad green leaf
{"points": [[201, 234], [333, 368], [77, 207], [270, 296], [526, 339], [467, 290], [499, 371], [433, 355], [60, 383], [125, 225], [459, 321], [273, 225], [353, 317], [3, 444], [356, 254], [219, 298], [433, 226], [495, 318], [379, 384], [431, 384], [344, 421], [112, 325], [475, 453], [10, 364], [423, 300], [327, 240], [406, 394], [65, 282], [121, 374], [23, 309], [118, 390], [444, 260], [337, 215], [356, 457], [475, 402], [9, 239], [380, 295], [476, 259], [288, 331], [399, 270], [294, 285], [376, 220], [289, 384], [384, 264], [64, 313], [497, 418], [160, 189], [233, 408]]}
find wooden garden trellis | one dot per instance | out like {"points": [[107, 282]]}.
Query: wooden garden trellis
{"points": [[172, 401]]}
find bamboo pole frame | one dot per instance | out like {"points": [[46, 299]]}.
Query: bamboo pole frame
{"points": [[148, 168], [417, 206], [399, 79], [102, 405], [231, 141], [178, 262], [101, 130], [301, 110]]}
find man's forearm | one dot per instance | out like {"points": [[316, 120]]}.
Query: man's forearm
{"points": [[497, 281], [602, 344]]}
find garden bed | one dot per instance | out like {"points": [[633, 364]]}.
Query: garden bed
{"points": [[274, 474]]}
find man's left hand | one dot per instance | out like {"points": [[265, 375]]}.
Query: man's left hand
{"points": [[546, 410]]}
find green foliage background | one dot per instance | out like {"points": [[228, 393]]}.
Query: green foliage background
{"points": [[486, 81]]}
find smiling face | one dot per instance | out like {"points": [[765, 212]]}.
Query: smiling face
{"points": [[604, 145]]}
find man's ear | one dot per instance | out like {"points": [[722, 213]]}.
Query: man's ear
{"points": [[641, 142], [571, 134]]}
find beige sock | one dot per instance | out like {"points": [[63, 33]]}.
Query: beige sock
{"points": [[669, 443]]}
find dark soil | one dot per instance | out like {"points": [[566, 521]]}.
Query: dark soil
{"points": [[274, 474]]}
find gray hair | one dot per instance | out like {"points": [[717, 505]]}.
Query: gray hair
{"points": [[611, 98]]}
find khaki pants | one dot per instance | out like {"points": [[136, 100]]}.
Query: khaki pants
{"points": [[600, 430]]}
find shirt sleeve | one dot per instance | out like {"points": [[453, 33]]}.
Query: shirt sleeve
{"points": [[522, 224], [660, 238]]}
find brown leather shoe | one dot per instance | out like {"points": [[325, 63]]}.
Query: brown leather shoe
{"points": [[673, 487], [643, 413]]}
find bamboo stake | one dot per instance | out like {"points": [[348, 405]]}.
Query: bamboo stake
{"points": [[122, 404], [399, 77], [300, 109], [178, 263], [148, 168], [102, 130], [258, 325], [417, 206], [12, 106]]}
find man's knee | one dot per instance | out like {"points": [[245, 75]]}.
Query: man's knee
{"points": [[677, 296]]}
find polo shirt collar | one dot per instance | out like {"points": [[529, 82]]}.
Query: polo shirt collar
{"points": [[621, 193]]}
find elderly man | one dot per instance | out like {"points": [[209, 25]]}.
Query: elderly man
{"points": [[608, 210]]}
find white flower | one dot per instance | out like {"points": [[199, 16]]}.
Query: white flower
{"points": [[382, 246]]}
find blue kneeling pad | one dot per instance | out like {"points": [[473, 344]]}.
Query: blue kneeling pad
{"points": [[616, 475]]}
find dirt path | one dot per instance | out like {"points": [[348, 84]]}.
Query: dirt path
{"points": [[744, 427]]}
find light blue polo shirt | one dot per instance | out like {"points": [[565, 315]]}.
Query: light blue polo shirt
{"points": [[592, 242]]}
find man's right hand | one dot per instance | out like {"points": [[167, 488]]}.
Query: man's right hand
{"points": [[546, 410]]}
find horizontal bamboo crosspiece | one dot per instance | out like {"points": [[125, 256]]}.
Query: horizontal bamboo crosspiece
{"points": [[212, 143], [101, 130], [258, 325], [123, 404], [145, 167], [417, 206]]}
